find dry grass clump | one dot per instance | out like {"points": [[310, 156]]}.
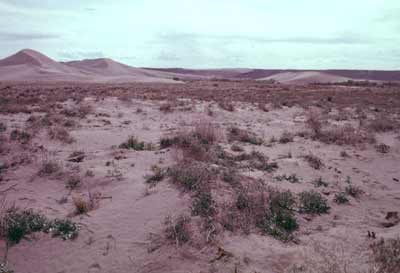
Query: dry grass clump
{"points": [[382, 148], [73, 182], [339, 135], [166, 107], [226, 105], [197, 144], [77, 111], [49, 168], [158, 175], [85, 204], [386, 256], [22, 137], [314, 161], [60, 134], [190, 175], [178, 230], [237, 134], [132, 143], [286, 137]]}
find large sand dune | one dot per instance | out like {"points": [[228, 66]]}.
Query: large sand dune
{"points": [[30, 65]]}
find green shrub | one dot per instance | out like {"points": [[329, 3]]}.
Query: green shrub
{"points": [[178, 230], [203, 204], [341, 198], [312, 202], [189, 175], [132, 143], [64, 228]]}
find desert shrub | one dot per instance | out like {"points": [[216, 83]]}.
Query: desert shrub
{"points": [[206, 132], [77, 111], [60, 134], [313, 121], [17, 223], [236, 148], [382, 148], [320, 183], [73, 182], [290, 178], [346, 135], [166, 107], [64, 228], [166, 142], [312, 202], [242, 201], [3, 127], [258, 161], [314, 161], [286, 137], [203, 204], [178, 230], [189, 175], [279, 220], [237, 134], [227, 106], [132, 143], [353, 191], [341, 198], [157, 176], [386, 256], [82, 206], [22, 137], [49, 167]]}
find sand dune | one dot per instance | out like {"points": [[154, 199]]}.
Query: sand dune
{"points": [[30, 65], [305, 77]]}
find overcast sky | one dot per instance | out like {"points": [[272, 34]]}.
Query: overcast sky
{"points": [[309, 34]]}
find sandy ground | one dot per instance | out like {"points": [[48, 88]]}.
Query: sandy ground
{"points": [[117, 235]]}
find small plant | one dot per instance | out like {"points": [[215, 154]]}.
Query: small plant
{"points": [[49, 168], [237, 134], [236, 148], [157, 176], [73, 182], [3, 127], [279, 220], [320, 183], [64, 228], [312, 202], [314, 161], [178, 230], [353, 191], [286, 137], [134, 144], [341, 198], [85, 204], [60, 134], [189, 175], [22, 137], [382, 148], [227, 106], [203, 204], [290, 178], [382, 124], [166, 107]]}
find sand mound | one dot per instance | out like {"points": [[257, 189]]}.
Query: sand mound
{"points": [[305, 77]]}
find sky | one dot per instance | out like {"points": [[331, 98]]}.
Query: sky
{"points": [[276, 34]]}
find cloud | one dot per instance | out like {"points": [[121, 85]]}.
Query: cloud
{"points": [[78, 55], [192, 37], [9, 36]]}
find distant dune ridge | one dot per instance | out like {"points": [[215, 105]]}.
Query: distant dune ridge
{"points": [[30, 65]]}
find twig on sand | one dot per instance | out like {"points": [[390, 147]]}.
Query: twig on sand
{"points": [[8, 189]]}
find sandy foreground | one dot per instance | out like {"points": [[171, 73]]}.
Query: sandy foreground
{"points": [[125, 229]]}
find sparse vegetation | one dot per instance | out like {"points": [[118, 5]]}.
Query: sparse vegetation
{"points": [[341, 198], [22, 137], [382, 148], [314, 161], [157, 176], [132, 143], [49, 167], [178, 230], [60, 134], [237, 134], [73, 182], [386, 256]]}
